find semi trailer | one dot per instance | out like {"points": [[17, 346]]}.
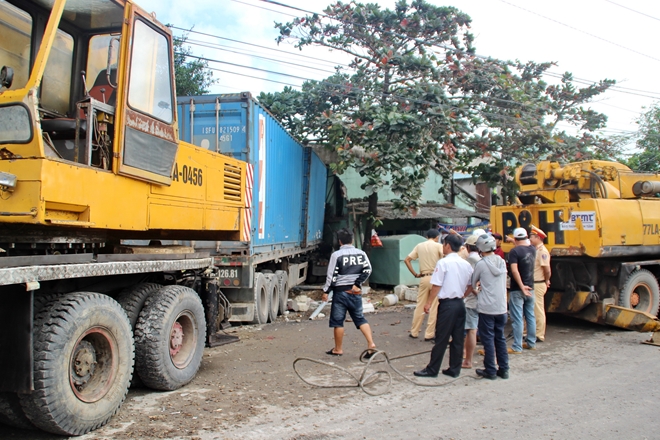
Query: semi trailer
{"points": [[285, 203]]}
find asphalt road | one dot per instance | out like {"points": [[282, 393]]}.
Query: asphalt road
{"points": [[585, 381]]}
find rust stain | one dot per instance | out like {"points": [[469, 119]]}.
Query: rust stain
{"points": [[148, 125]]}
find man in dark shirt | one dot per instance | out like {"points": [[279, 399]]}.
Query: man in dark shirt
{"points": [[521, 296], [348, 268]]}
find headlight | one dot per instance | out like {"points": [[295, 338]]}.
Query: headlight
{"points": [[7, 181]]}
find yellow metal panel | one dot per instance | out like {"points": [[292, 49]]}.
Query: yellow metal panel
{"points": [[26, 197], [176, 216], [650, 220], [24, 169], [616, 222], [226, 219], [213, 178], [113, 202], [23, 201], [193, 168], [621, 220]]}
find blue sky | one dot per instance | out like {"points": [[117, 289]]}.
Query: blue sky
{"points": [[593, 39]]}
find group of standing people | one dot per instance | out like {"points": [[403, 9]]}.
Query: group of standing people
{"points": [[462, 289], [479, 279]]}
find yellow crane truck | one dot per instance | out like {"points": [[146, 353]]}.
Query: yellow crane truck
{"points": [[602, 222], [90, 160]]}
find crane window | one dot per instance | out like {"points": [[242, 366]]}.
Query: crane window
{"points": [[15, 29], [150, 86], [56, 86], [98, 84]]}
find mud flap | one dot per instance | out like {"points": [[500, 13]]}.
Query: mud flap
{"points": [[16, 340], [217, 310]]}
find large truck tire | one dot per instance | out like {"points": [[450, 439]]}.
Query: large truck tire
{"points": [[283, 283], [132, 300], [169, 338], [261, 299], [641, 292], [11, 412], [83, 362], [272, 290]]}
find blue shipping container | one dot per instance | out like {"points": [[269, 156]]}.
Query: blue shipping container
{"points": [[289, 184]]}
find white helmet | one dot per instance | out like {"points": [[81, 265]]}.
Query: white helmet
{"points": [[478, 232], [486, 243]]}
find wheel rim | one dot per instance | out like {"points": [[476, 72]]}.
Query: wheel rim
{"points": [[93, 364], [183, 339], [640, 297]]}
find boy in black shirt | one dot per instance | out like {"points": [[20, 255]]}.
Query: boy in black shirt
{"points": [[348, 268]]}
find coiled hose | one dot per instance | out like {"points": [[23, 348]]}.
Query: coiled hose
{"points": [[365, 379]]}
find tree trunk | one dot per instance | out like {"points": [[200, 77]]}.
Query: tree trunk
{"points": [[369, 224]]}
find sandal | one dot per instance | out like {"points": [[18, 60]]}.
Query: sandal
{"points": [[370, 353], [331, 352]]}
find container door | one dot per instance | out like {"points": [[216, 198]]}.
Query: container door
{"points": [[232, 130]]}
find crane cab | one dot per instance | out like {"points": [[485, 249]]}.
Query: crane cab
{"points": [[88, 126]]}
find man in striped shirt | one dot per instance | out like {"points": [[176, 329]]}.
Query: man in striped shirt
{"points": [[348, 268]]}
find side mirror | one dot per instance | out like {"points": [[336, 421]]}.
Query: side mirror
{"points": [[6, 76]]}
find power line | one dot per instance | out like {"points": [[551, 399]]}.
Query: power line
{"points": [[487, 98], [222, 48], [291, 7], [248, 44], [445, 107], [403, 98], [580, 30], [254, 77], [219, 47], [249, 67], [614, 88], [478, 97], [265, 9], [202, 44], [630, 9], [495, 115], [246, 51], [600, 102]]}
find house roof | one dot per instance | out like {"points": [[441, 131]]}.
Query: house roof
{"points": [[426, 211]]}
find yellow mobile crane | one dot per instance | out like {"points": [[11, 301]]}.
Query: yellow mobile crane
{"points": [[90, 161], [603, 226]]}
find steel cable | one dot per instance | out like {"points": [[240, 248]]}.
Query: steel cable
{"points": [[366, 379]]}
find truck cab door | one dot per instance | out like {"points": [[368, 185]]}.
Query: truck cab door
{"points": [[149, 140]]}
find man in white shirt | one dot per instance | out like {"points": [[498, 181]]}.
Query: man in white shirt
{"points": [[451, 282]]}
